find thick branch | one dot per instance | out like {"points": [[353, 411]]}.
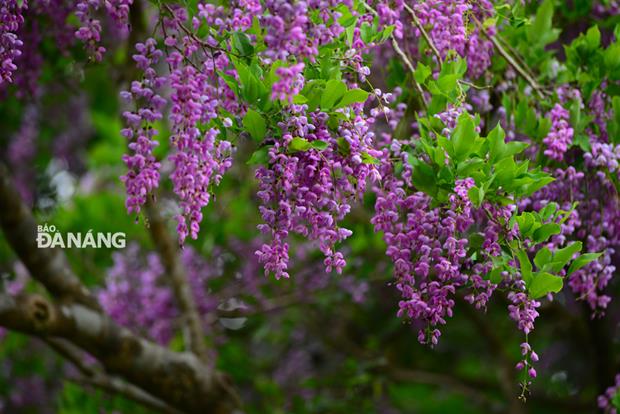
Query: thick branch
{"points": [[72, 354], [93, 377], [170, 255], [48, 266], [179, 379], [115, 386]]}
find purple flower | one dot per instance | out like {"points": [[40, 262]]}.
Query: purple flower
{"points": [[606, 401], [11, 19], [136, 293], [310, 192], [290, 83], [143, 169], [560, 136]]}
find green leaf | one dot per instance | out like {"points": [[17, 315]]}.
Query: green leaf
{"points": [[536, 185], [347, 19], [548, 211], [541, 32], [319, 145], [506, 170], [543, 283], [525, 266], [515, 147], [475, 241], [255, 124], [562, 256], [369, 159], [232, 83], [330, 69], [314, 91], [423, 177], [495, 276], [334, 90], [386, 33], [421, 73], [463, 137], [299, 99], [581, 261], [299, 144], [252, 88], [260, 156], [526, 223], [615, 400], [476, 195], [614, 123], [447, 83], [352, 96], [611, 57], [565, 254], [545, 231], [593, 38], [366, 32], [497, 146], [349, 33], [241, 44], [344, 148], [467, 168], [543, 256]]}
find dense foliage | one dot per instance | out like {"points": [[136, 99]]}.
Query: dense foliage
{"points": [[379, 206]]}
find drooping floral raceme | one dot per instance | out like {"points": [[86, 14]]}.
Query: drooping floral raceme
{"points": [[143, 175], [11, 19]]}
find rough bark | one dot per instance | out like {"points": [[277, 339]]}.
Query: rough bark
{"points": [[50, 265], [181, 380]]}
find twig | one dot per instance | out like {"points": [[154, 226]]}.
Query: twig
{"points": [[403, 56], [500, 49], [201, 42], [431, 44], [473, 85], [420, 27]]}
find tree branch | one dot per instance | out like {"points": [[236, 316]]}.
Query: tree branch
{"points": [[511, 61], [95, 378], [403, 56], [420, 27], [170, 255], [113, 386], [71, 353], [179, 379], [48, 266]]}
